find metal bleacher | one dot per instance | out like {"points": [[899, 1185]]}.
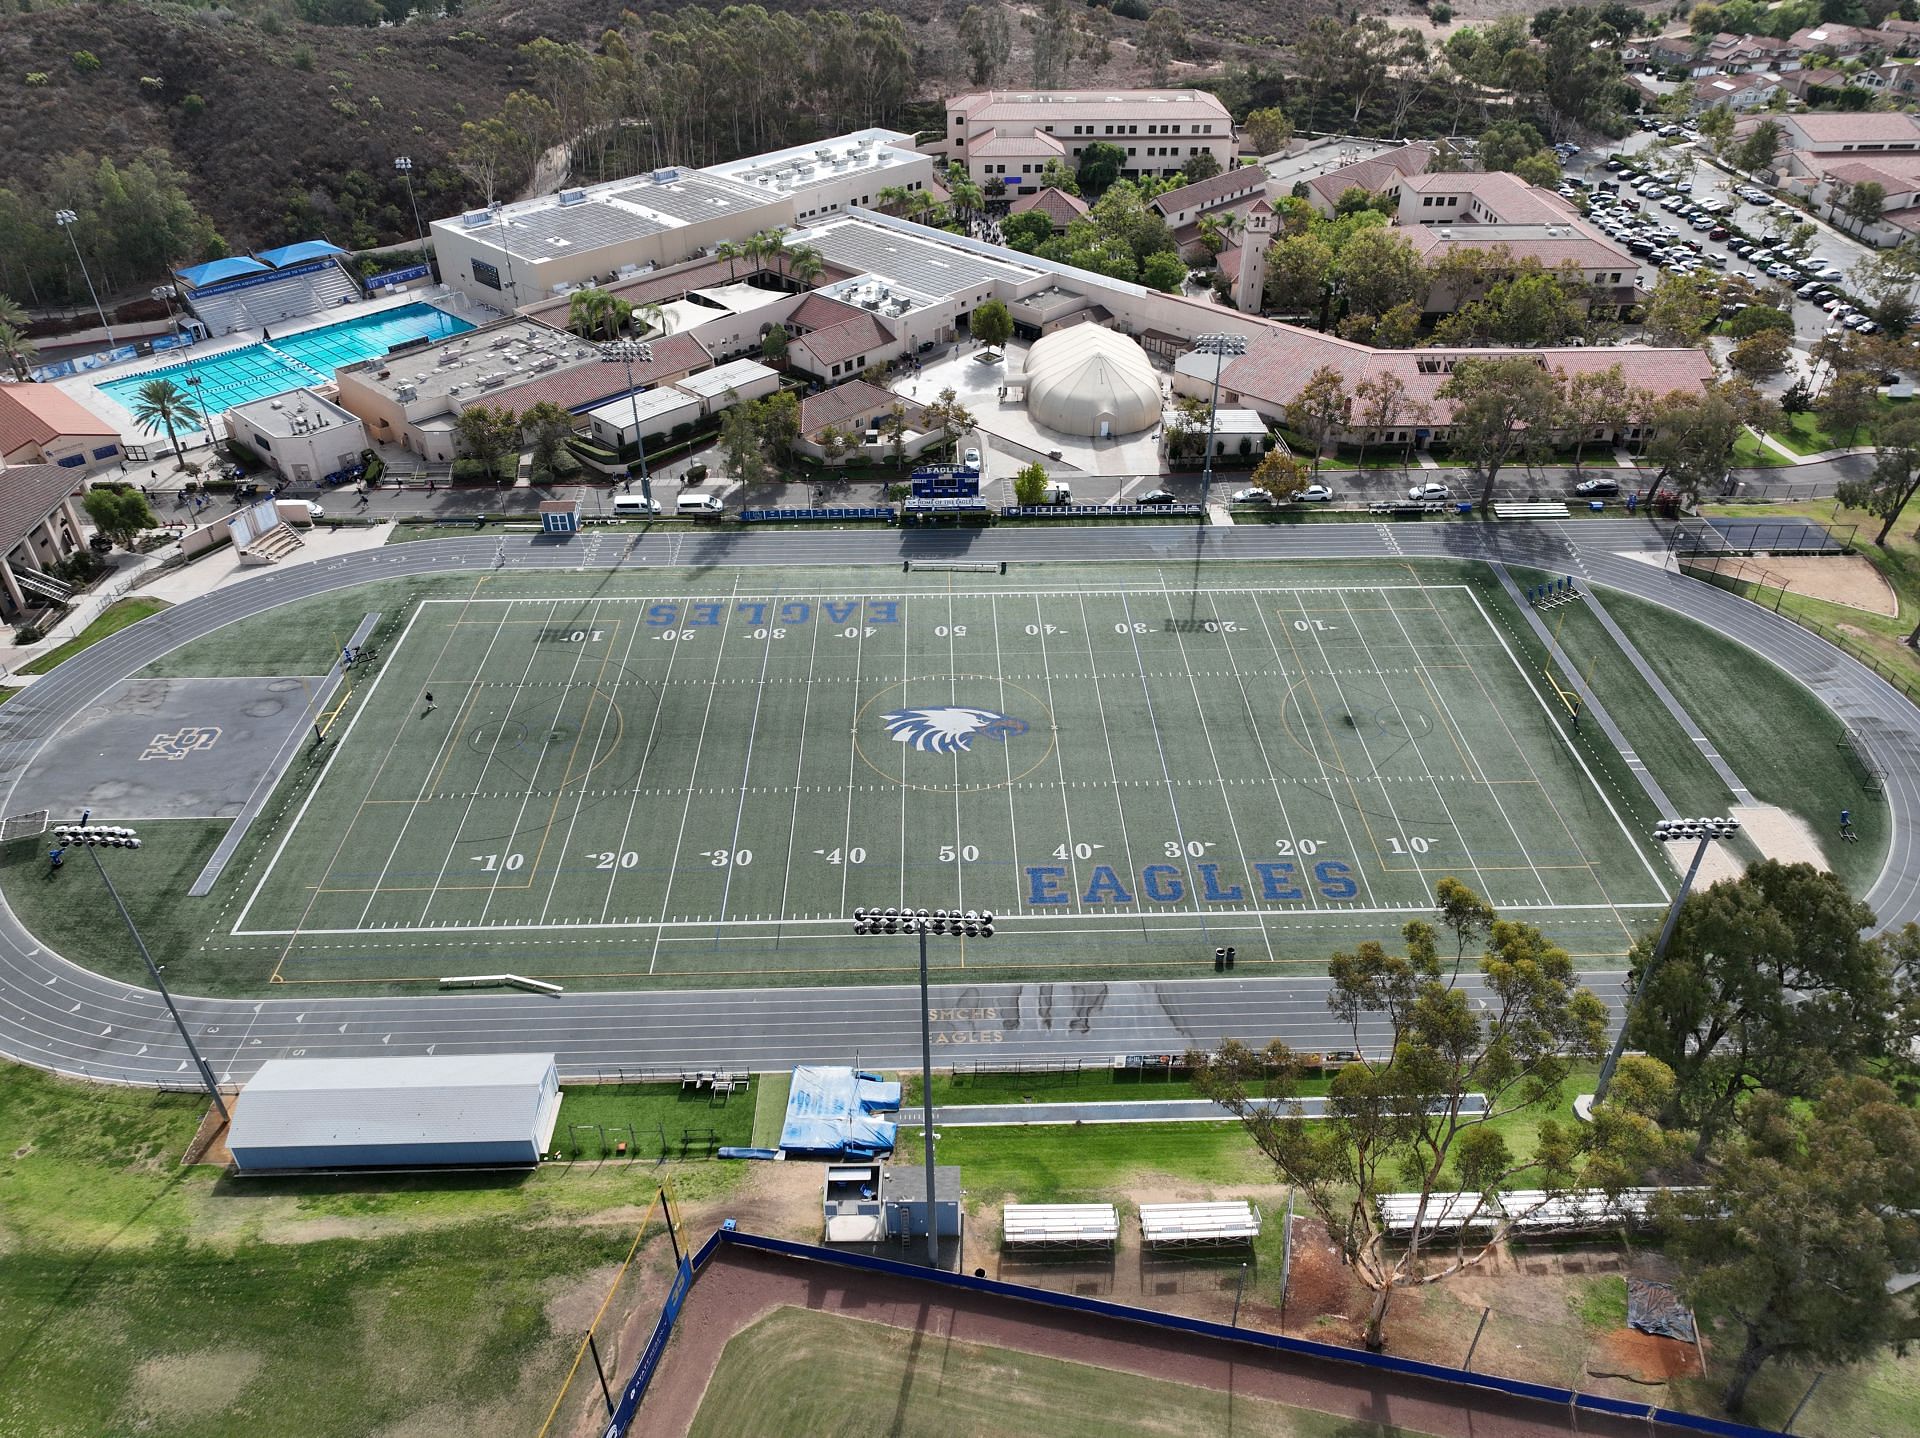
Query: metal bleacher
{"points": [[1194, 1225], [288, 297], [1059, 1225], [1523, 1210]]}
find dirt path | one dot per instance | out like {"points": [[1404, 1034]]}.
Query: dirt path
{"points": [[740, 1286]]}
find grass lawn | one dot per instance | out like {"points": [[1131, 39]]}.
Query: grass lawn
{"points": [[117, 616], [1750, 453], [659, 1118], [140, 1296], [1784, 747], [1084, 1086], [786, 1375]]}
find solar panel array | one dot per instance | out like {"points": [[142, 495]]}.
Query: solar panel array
{"points": [[692, 198], [588, 226], [922, 265]]}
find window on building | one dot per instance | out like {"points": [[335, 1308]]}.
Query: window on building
{"points": [[106, 451], [486, 274], [72, 461]]}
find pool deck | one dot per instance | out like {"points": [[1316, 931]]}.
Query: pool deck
{"points": [[84, 387]]}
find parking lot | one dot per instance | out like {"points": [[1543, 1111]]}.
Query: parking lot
{"points": [[1827, 259]]}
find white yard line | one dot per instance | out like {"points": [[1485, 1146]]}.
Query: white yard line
{"points": [[580, 799], [1113, 769], [1153, 723], [640, 775], [1326, 777], [799, 772], [533, 780], [1006, 753], [433, 771], [1059, 756], [853, 760], [746, 772], [953, 697], [693, 780], [1259, 739], [1460, 734]]}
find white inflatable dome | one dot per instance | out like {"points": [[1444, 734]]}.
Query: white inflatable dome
{"points": [[1087, 380]]}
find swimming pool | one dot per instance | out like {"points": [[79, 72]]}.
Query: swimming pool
{"points": [[308, 358]]}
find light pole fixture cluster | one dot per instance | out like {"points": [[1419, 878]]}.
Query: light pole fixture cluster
{"points": [[1219, 346], [66, 220], [967, 924], [1667, 831], [625, 352], [93, 838], [404, 165]]}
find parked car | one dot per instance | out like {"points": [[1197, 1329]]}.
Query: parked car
{"points": [[1315, 494], [1828, 272], [1253, 495], [1597, 486], [1157, 496], [315, 511], [1432, 490]]}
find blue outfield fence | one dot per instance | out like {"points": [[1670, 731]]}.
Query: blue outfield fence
{"points": [[1098, 511], [1172, 1322], [785, 516]]}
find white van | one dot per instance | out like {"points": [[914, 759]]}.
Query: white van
{"points": [[1058, 491], [634, 506], [695, 503]]}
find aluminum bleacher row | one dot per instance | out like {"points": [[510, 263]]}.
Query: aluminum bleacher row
{"points": [[1525, 1210], [265, 305], [1187, 1225], [1059, 1225]]}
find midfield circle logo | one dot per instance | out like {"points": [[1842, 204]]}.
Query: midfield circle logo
{"points": [[949, 728]]}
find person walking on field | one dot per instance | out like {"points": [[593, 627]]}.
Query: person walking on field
{"points": [[430, 705]]}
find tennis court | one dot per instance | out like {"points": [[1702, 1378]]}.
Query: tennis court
{"points": [[702, 788]]}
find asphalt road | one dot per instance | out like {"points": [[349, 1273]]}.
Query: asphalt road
{"points": [[62, 1017]]}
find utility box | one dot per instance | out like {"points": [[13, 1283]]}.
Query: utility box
{"points": [[903, 1193]]}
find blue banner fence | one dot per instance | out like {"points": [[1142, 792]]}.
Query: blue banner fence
{"points": [[1485, 1383]]}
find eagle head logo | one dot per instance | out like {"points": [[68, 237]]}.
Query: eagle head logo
{"points": [[948, 728]]}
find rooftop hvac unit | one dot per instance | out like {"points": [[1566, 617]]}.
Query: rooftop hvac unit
{"points": [[474, 219], [448, 357], [453, 389], [665, 176], [825, 152], [406, 394], [274, 404], [492, 381], [500, 342], [573, 197], [546, 363]]}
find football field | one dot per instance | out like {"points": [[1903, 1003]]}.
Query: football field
{"points": [[702, 788]]}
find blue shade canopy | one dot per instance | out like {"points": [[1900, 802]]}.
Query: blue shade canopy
{"points": [[299, 254], [214, 271]]}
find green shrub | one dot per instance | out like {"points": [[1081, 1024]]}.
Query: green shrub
{"points": [[85, 61], [193, 106], [1440, 14], [37, 77], [302, 57], [27, 634]]}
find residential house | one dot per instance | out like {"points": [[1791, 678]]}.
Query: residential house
{"points": [[1739, 93]]}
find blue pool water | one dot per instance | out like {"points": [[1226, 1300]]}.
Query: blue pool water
{"points": [[274, 366]]}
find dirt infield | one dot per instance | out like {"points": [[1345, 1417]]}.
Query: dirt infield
{"points": [[740, 1286]]}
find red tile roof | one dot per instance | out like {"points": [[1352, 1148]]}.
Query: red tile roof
{"points": [[37, 413], [856, 399], [846, 340], [1276, 366], [817, 311], [28, 494], [1057, 205], [1242, 180]]}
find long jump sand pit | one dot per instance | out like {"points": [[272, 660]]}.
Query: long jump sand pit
{"points": [[1776, 833], [739, 1288], [1848, 579]]}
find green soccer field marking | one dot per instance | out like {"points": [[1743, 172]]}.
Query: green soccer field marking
{"points": [[1240, 764]]}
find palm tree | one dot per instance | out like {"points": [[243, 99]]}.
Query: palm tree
{"points": [[727, 250], [12, 312], [587, 311], [805, 265], [17, 349], [161, 404], [892, 198], [773, 245], [648, 317]]}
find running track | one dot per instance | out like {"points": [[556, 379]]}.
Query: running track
{"points": [[56, 1015]]}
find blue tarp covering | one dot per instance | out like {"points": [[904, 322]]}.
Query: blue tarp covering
{"points": [[214, 271], [299, 254], [830, 1113]]}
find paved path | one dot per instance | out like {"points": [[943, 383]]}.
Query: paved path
{"points": [[59, 1016]]}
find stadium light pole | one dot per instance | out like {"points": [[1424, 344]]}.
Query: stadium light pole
{"points": [[1667, 830], [1219, 346], [626, 352], [969, 925], [404, 164], [94, 837], [66, 220]]}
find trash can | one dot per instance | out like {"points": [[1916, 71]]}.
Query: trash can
{"points": [[1464, 506], [1596, 505]]}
